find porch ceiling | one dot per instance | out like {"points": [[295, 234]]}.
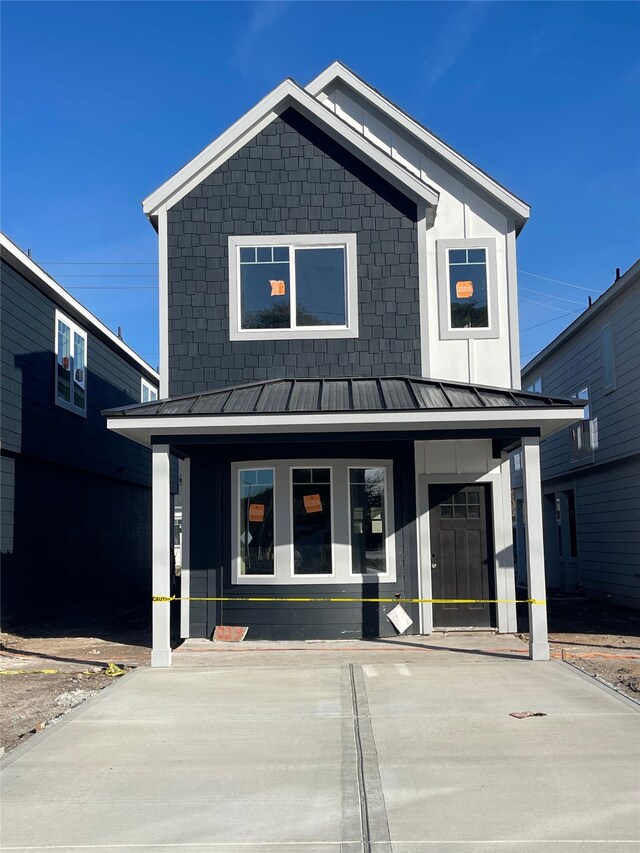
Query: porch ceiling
{"points": [[344, 404]]}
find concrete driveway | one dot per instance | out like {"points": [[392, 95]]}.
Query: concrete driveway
{"points": [[335, 748]]}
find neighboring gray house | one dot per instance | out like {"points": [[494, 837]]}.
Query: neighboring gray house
{"points": [[340, 374], [76, 499], [591, 470]]}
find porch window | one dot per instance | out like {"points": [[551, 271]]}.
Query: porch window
{"points": [[311, 506], [71, 365], [256, 521], [148, 392], [293, 286], [304, 521], [581, 439], [367, 521], [467, 288]]}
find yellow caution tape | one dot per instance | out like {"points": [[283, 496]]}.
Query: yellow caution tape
{"points": [[113, 670], [164, 599], [29, 671]]}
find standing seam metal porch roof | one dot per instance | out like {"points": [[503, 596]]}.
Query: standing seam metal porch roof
{"points": [[333, 395]]}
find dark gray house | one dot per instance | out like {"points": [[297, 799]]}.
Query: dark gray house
{"points": [[340, 373], [591, 470], [76, 498]]}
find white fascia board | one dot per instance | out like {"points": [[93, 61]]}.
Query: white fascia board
{"points": [[142, 428], [337, 71], [285, 95], [28, 267]]}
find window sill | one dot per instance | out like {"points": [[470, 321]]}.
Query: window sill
{"points": [[291, 334], [70, 408]]}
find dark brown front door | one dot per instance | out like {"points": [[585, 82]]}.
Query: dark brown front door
{"points": [[461, 554]]}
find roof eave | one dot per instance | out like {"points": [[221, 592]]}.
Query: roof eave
{"points": [[518, 208], [287, 94]]}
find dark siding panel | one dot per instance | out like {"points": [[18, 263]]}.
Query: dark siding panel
{"points": [[291, 179]]}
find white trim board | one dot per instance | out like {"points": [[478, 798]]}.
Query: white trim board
{"points": [[287, 94], [339, 72], [27, 266], [142, 428]]}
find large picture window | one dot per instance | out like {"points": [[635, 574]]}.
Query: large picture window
{"points": [[302, 521], [71, 365], [467, 288], [293, 286]]}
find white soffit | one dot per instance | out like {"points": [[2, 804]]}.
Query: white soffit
{"points": [[338, 72], [27, 267], [287, 94]]}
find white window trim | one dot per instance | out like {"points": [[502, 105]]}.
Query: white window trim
{"points": [[283, 523], [75, 329], [442, 250], [309, 241], [145, 384]]}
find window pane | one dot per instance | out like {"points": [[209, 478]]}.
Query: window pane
{"points": [[476, 256], [264, 295], [320, 287], [64, 362], [256, 522], [468, 293], [311, 524], [458, 256], [248, 255], [280, 253], [264, 254], [79, 371], [368, 523]]}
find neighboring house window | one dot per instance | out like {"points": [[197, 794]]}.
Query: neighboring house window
{"points": [[608, 365], [536, 386], [299, 522], [517, 460], [581, 442], [71, 365], [293, 286], [467, 286], [148, 392]]}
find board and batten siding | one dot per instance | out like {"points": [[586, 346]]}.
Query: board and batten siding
{"points": [[462, 213], [76, 498], [210, 553], [291, 179]]}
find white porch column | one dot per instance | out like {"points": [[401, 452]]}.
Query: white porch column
{"points": [[185, 577], [161, 549], [538, 636]]}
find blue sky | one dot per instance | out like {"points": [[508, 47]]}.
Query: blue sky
{"points": [[102, 102]]}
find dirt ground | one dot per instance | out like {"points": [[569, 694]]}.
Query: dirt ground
{"points": [[600, 639]]}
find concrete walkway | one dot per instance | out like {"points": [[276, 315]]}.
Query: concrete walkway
{"points": [[397, 747]]}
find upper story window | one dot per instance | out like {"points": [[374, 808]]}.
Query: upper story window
{"points": [[581, 438], [467, 288], [71, 365], [148, 392], [536, 385], [296, 286]]}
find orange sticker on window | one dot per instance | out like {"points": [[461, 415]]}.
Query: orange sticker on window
{"points": [[464, 289], [256, 512], [277, 287], [312, 503]]}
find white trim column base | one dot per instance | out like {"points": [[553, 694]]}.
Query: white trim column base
{"points": [[161, 549], [536, 585]]}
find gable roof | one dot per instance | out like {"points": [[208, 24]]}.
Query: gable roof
{"points": [[338, 72], [287, 94], [28, 268]]}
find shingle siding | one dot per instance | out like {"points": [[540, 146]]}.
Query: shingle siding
{"points": [[291, 179]]}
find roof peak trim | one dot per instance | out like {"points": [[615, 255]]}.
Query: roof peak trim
{"points": [[287, 94], [338, 71]]}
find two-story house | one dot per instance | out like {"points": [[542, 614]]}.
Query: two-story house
{"points": [[76, 498], [591, 470], [340, 373]]}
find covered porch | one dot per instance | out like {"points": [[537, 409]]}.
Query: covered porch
{"points": [[370, 489]]}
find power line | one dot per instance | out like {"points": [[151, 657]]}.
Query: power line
{"points": [[111, 287], [552, 320], [551, 296], [103, 275], [544, 304], [100, 263], [557, 281]]}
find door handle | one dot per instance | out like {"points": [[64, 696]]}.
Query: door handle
{"points": [[434, 564]]}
